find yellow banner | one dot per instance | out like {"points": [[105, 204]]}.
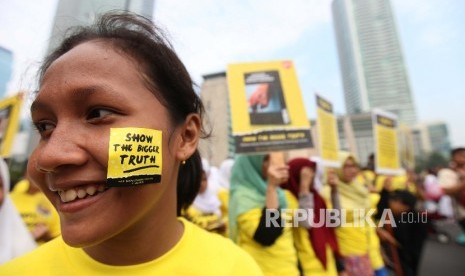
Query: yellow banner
{"points": [[134, 156], [328, 141], [10, 109], [267, 109], [386, 143]]}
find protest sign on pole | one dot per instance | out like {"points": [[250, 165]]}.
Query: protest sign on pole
{"points": [[9, 122], [328, 138], [385, 127], [267, 110]]}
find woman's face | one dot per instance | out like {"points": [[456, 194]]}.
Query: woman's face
{"points": [[349, 170], [203, 183], [84, 93]]}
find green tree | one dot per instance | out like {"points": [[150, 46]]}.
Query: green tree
{"points": [[432, 160]]}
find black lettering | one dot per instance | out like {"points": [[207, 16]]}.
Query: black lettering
{"points": [[122, 158], [147, 148], [131, 160], [140, 159], [116, 146], [135, 137], [127, 147]]}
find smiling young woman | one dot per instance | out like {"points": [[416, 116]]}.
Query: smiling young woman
{"points": [[120, 75]]}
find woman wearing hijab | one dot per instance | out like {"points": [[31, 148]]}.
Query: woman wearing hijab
{"points": [[316, 246], [255, 205], [352, 195], [15, 239], [224, 173], [205, 211]]}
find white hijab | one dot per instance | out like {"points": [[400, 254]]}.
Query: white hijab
{"points": [[225, 172], [15, 238], [208, 202], [319, 173]]}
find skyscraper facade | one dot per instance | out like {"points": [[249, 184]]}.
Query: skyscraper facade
{"points": [[214, 95], [6, 64], [83, 12], [370, 57], [431, 137]]}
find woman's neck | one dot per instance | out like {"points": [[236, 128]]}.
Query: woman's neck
{"points": [[145, 241]]}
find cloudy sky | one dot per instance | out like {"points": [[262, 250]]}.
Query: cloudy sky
{"points": [[209, 34]]}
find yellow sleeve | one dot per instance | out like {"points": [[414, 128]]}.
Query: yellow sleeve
{"points": [[247, 223]]}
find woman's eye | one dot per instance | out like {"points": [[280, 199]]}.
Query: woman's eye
{"points": [[44, 126], [98, 113]]}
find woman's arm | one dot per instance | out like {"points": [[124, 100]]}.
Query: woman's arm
{"points": [[270, 227]]}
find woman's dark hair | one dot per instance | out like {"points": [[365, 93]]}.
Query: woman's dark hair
{"points": [[162, 71]]}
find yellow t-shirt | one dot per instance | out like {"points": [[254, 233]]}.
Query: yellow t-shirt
{"points": [[197, 253], [36, 209], [310, 264], [209, 222], [223, 196], [353, 238], [277, 259], [399, 182]]}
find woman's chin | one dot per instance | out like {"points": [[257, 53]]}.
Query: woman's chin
{"points": [[80, 238]]}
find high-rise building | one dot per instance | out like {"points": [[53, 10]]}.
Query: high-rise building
{"points": [[431, 137], [6, 63], [370, 57], [214, 95], [83, 12]]}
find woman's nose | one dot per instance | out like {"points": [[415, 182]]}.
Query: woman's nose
{"points": [[64, 147]]}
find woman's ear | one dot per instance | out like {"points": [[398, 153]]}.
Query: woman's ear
{"points": [[188, 137]]}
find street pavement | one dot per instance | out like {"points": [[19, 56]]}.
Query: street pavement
{"points": [[444, 259]]}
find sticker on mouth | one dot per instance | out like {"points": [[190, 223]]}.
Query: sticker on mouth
{"points": [[80, 193]]}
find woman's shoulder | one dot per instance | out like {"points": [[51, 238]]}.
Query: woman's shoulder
{"points": [[215, 250], [203, 240]]}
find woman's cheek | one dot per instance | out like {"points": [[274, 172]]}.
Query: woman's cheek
{"points": [[34, 175]]}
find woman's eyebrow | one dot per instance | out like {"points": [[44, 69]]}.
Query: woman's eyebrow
{"points": [[78, 95]]}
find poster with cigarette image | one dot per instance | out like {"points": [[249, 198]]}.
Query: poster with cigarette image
{"points": [[265, 98], [9, 122], [266, 107]]}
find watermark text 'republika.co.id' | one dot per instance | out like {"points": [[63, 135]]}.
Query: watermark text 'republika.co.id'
{"points": [[339, 218]]}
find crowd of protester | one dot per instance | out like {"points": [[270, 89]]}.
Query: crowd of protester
{"points": [[256, 204]]}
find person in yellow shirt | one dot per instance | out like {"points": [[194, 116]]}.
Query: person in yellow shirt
{"points": [[205, 211], [258, 222], [223, 192], [315, 242], [119, 124], [37, 212], [356, 238]]}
